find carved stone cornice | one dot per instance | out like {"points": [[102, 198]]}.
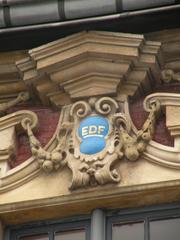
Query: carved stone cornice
{"points": [[83, 203], [141, 60], [170, 39], [92, 64], [165, 99], [10, 83]]}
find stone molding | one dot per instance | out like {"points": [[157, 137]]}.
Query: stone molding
{"points": [[84, 202], [92, 64], [171, 103], [11, 125], [64, 74], [157, 153], [28, 170], [165, 99]]}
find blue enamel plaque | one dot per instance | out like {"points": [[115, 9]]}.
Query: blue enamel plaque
{"points": [[92, 131]]}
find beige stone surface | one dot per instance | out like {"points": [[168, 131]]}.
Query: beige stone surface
{"points": [[56, 184], [141, 180], [8, 138], [68, 69], [173, 116], [7, 148], [92, 64], [10, 83]]}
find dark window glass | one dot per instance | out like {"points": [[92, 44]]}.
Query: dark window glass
{"points": [[129, 231], [165, 229], [35, 237], [71, 235]]}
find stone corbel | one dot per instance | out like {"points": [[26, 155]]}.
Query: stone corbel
{"points": [[171, 103], [91, 64]]}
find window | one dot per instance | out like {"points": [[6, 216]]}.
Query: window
{"points": [[165, 229], [65, 235], [35, 237], [128, 231], [75, 235], [66, 230], [153, 223]]}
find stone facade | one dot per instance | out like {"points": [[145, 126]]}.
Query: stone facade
{"points": [[126, 84]]}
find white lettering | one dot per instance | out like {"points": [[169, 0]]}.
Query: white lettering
{"points": [[101, 129], [92, 129], [84, 131]]}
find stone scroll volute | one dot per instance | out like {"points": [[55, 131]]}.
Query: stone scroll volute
{"points": [[93, 136]]}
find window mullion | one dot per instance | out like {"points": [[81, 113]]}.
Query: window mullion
{"points": [[98, 225], [51, 235], [146, 229]]}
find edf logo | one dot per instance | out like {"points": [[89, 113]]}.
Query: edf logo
{"points": [[92, 131]]}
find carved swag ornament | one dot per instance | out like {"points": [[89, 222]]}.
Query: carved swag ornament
{"points": [[93, 136], [10, 125]]}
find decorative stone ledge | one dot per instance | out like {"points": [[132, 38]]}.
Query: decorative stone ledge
{"points": [[92, 64], [11, 125], [87, 74], [171, 102]]}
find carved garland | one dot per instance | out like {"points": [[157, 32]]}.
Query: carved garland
{"points": [[120, 141], [22, 97]]}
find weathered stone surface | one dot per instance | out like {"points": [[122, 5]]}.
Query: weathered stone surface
{"points": [[124, 67], [92, 64]]}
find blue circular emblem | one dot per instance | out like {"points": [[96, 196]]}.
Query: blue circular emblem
{"points": [[92, 131]]}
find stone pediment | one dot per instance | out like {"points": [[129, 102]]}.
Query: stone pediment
{"points": [[92, 63]]}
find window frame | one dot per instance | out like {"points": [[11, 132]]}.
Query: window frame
{"points": [[137, 215], [48, 227], [117, 216]]}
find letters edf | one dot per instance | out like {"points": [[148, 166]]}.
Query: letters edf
{"points": [[92, 131]]}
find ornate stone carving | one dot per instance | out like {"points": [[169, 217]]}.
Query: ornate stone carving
{"points": [[90, 64], [10, 126], [94, 136], [22, 97], [168, 75], [171, 103]]}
